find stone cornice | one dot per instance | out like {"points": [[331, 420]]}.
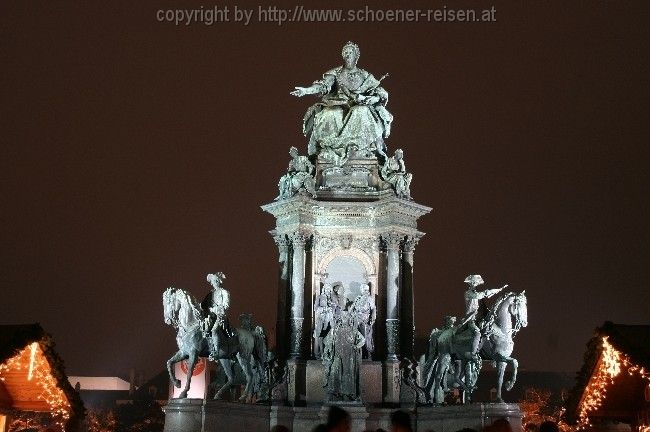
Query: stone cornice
{"points": [[305, 213], [305, 203]]}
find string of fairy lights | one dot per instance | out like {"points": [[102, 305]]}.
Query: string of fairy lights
{"points": [[612, 362], [33, 362]]}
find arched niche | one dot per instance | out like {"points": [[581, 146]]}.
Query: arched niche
{"points": [[351, 267]]}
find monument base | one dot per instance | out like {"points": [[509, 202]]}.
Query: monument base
{"points": [[184, 415], [195, 415], [370, 375], [474, 416]]}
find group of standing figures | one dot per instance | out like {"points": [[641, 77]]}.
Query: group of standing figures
{"points": [[342, 328]]}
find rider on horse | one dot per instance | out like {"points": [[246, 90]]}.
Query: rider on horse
{"points": [[215, 305], [472, 297]]}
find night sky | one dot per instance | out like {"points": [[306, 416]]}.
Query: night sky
{"points": [[136, 154]]}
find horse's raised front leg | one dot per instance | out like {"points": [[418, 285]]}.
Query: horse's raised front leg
{"points": [[513, 379], [227, 369], [192, 363], [501, 368], [170, 367]]}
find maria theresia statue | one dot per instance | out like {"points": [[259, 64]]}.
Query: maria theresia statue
{"points": [[346, 129], [352, 112]]}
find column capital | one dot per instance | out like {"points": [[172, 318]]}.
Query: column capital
{"points": [[392, 240], [410, 243], [281, 240], [299, 239]]}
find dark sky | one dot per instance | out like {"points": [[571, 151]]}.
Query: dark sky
{"points": [[136, 154]]}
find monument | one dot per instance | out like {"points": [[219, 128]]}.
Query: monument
{"points": [[346, 244], [346, 231]]}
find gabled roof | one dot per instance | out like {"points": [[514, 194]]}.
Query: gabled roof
{"points": [[632, 340], [15, 338]]}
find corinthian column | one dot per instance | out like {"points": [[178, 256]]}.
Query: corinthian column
{"points": [[297, 293], [282, 330], [407, 300], [392, 241]]}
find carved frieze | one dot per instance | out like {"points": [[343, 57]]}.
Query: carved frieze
{"points": [[346, 178]]}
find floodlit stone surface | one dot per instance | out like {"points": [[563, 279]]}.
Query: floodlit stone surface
{"points": [[193, 415]]}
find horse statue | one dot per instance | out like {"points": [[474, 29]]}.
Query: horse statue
{"points": [[499, 343], [450, 361], [247, 345]]}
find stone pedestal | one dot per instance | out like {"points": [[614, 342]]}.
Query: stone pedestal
{"points": [[359, 177], [353, 234], [358, 414], [379, 418], [193, 415], [315, 380], [509, 411], [280, 416], [279, 394], [474, 416], [296, 394], [371, 379], [370, 376], [392, 382], [184, 415], [305, 418], [227, 416]]}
